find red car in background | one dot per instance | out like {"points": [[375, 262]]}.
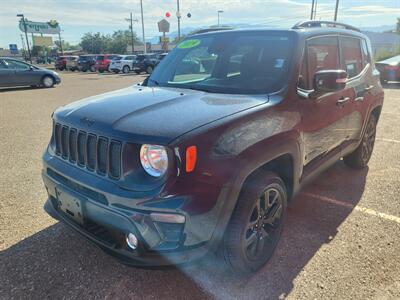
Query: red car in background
{"points": [[103, 62], [60, 63]]}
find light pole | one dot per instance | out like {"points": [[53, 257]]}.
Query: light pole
{"points": [[59, 38], [26, 35], [178, 15], [144, 38], [219, 12], [131, 27], [23, 45]]}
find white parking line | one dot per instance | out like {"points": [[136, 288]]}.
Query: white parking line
{"points": [[362, 209], [388, 140]]}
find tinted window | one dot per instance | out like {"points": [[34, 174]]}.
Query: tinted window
{"points": [[129, 58], [100, 57], [351, 56], [322, 54], [239, 63], [17, 65]]}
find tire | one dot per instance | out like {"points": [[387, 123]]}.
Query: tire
{"points": [[126, 69], [84, 70], [137, 72], [360, 157], [101, 71], [92, 69], [48, 81], [149, 70], [255, 226]]}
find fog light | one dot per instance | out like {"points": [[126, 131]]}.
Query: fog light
{"points": [[131, 240]]}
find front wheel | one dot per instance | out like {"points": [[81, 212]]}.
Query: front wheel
{"points": [[47, 82], [256, 224], [359, 158], [92, 69]]}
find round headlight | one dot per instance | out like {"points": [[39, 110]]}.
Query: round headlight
{"points": [[154, 159]]}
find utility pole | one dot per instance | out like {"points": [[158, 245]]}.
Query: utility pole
{"points": [[131, 27], [178, 14], [26, 35], [312, 9], [336, 10], [144, 38]]}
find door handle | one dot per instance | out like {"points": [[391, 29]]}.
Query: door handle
{"points": [[342, 101], [368, 88]]}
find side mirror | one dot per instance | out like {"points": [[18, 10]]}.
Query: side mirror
{"points": [[328, 81]]}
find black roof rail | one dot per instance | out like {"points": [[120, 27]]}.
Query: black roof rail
{"points": [[310, 24], [205, 30]]}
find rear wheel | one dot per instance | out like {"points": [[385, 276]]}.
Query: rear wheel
{"points": [[126, 69], [256, 224], [47, 81], [149, 70], [359, 158], [92, 69]]}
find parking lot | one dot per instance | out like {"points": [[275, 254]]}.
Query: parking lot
{"points": [[341, 238]]}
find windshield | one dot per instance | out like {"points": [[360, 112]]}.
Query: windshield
{"points": [[234, 62]]}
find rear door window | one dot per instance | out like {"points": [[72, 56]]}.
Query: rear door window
{"points": [[352, 59]]}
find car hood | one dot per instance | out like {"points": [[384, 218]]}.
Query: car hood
{"points": [[156, 115]]}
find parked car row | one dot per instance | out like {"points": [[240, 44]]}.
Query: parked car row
{"points": [[110, 63]]}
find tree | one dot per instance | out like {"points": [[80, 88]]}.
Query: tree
{"points": [[65, 46], [94, 42], [116, 43], [120, 39]]}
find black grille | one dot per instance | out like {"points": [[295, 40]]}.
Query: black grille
{"points": [[97, 154]]}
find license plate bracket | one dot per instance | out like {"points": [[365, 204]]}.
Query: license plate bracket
{"points": [[70, 204]]}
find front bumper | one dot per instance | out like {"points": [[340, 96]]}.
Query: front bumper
{"points": [[107, 226]]}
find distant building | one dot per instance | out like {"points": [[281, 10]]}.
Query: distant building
{"points": [[383, 41]]}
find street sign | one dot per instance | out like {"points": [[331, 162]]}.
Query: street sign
{"points": [[13, 48], [51, 27], [46, 41], [163, 26]]}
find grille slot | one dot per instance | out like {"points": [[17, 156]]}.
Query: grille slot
{"points": [[72, 145], [64, 141], [97, 154], [115, 159], [91, 152], [102, 148]]}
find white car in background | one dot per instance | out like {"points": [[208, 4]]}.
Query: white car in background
{"points": [[122, 63]]}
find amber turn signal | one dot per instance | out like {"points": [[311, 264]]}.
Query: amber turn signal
{"points": [[191, 157]]}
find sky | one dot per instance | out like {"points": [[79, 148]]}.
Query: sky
{"points": [[79, 16]]}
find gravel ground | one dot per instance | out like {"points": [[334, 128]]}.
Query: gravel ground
{"points": [[341, 239]]}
